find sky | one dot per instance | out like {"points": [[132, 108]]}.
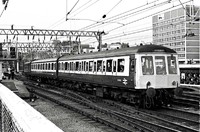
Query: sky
{"points": [[87, 15]]}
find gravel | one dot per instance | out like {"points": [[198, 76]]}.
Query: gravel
{"points": [[65, 119]]}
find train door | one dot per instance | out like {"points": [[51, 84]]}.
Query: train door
{"points": [[132, 69]]}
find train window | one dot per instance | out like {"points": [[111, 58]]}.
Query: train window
{"points": [[114, 66], [53, 66], [147, 65], [91, 63], [160, 65], [80, 66], [132, 65], [172, 67], [71, 66], [95, 66], [104, 66], [49, 67], [109, 66], [66, 66], [121, 64], [86, 66], [84, 63], [99, 65], [63, 66], [76, 66]]}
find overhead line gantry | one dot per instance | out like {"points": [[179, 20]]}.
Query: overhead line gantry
{"points": [[44, 32]]}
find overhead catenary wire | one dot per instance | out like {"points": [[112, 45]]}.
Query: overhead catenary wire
{"points": [[80, 7], [63, 19], [104, 16], [73, 7], [147, 16], [86, 7], [141, 10], [138, 20], [116, 16]]}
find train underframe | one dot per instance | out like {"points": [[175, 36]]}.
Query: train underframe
{"points": [[144, 98]]}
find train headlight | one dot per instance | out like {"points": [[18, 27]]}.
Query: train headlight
{"points": [[174, 83]]}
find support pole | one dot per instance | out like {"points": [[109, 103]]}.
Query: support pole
{"points": [[99, 39]]}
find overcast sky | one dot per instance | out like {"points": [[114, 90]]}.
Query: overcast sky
{"points": [[51, 14]]}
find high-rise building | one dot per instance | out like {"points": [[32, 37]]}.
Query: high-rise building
{"points": [[179, 29]]}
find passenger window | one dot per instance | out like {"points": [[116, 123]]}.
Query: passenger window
{"points": [[84, 65], [80, 66], [109, 66], [87, 66], [76, 66], [90, 65], [114, 66], [132, 65], [172, 67], [160, 65], [95, 66], [66, 65], [49, 67], [99, 65], [71, 66], [104, 66], [121, 64], [63, 66], [147, 65]]}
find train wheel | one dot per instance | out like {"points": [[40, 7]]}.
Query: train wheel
{"points": [[148, 102]]}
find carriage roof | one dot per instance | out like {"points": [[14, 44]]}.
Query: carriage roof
{"points": [[45, 60], [119, 52]]}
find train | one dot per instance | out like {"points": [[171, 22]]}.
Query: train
{"points": [[146, 76], [190, 74]]}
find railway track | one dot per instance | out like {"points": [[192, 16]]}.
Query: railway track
{"points": [[191, 95], [121, 119], [186, 102], [171, 117]]}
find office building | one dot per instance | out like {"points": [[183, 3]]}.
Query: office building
{"points": [[179, 29]]}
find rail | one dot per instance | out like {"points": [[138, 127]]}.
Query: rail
{"points": [[18, 116]]}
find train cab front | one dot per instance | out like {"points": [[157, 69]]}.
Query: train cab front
{"points": [[158, 75]]}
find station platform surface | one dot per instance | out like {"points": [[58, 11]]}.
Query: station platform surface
{"points": [[17, 87]]}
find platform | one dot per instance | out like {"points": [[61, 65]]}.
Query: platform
{"points": [[17, 87]]}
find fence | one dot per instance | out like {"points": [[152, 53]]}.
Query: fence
{"points": [[18, 116]]}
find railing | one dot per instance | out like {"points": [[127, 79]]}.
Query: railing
{"points": [[18, 116]]}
